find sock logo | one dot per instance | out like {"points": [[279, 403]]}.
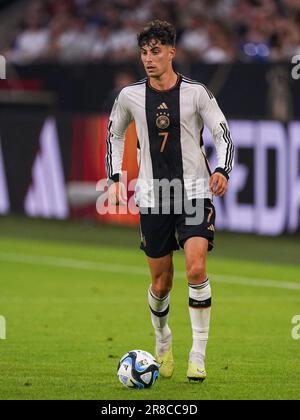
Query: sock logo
{"points": [[193, 303]]}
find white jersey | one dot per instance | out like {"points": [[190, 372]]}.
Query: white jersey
{"points": [[169, 127]]}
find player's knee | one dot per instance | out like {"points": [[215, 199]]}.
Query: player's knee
{"points": [[196, 273]]}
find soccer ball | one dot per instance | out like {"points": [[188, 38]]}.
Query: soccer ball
{"points": [[138, 369]]}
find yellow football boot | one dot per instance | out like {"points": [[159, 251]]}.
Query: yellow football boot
{"points": [[196, 372], [166, 362]]}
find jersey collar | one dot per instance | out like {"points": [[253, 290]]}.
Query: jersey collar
{"points": [[178, 81]]}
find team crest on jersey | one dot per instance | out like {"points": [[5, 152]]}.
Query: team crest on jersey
{"points": [[163, 121]]}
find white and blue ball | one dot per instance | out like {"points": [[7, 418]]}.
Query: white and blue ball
{"points": [[138, 369]]}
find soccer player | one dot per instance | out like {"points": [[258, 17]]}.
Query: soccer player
{"points": [[170, 111]]}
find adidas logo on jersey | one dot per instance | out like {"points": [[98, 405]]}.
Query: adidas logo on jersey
{"points": [[162, 106], [212, 228]]}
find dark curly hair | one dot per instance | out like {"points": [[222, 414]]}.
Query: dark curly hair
{"points": [[157, 30]]}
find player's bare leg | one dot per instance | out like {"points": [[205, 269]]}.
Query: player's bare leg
{"points": [[199, 304], [162, 271]]}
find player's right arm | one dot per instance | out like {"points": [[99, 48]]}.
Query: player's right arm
{"points": [[119, 120]]}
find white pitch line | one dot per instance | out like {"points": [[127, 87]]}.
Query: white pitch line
{"points": [[139, 271]]}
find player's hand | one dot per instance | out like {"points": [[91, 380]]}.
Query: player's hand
{"points": [[117, 194], [218, 184]]}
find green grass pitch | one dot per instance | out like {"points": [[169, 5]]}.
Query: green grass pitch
{"points": [[74, 297]]}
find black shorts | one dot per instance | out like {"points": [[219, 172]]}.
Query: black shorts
{"points": [[163, 233]]}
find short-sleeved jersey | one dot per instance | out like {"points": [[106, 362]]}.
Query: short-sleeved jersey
{"points": [[169, 127]]}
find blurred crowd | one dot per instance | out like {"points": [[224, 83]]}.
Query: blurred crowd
{"points": [[212, 31]]}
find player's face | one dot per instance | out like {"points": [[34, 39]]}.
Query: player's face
{"points": [[157, 58]]}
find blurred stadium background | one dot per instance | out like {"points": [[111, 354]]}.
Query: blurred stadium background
{"points": [[62, 264]]}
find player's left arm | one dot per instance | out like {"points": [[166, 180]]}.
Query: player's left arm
{"points": [[215, 120]]}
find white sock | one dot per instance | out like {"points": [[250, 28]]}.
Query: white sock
{"points": [[199, 308], [159, 316]]}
